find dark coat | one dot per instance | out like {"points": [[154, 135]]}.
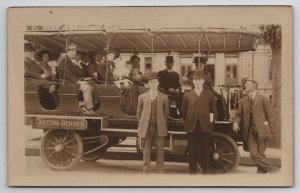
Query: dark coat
{"points": [[143, 114], [34, 71], [101, 70], [261, 115], [72, 71], [169, 80], [205, 103]]}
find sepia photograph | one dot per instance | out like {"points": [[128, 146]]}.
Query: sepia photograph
{"points": [[173, 96]]}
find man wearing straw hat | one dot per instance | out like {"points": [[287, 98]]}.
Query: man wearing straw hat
{"points": [[255, 113], [152, 114], [77, 73]]}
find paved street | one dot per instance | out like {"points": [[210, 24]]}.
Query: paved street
{"points": [[117, 170], [120, 173]]}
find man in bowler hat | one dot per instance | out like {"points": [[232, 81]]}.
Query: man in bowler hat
{"points": [[152, 114], [255, 114], [199, 110], [170, 81], [200, 63]]}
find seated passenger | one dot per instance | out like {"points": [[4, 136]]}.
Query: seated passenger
{"points": [[170, 82], [94, 64], [76, 72], [136, 75], [34, 70], [106, 69], [44, 56], [135, 61], [128, 90]]}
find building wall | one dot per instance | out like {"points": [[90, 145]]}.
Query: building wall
{"points": [[255, 65]]}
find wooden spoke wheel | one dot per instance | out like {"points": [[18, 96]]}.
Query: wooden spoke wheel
{"points": [[61, 149], [225, 155]]}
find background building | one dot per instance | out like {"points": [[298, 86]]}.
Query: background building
{"points": [[225, 68]]}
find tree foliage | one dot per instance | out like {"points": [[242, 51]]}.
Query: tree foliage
{"points": [[271, 34]]}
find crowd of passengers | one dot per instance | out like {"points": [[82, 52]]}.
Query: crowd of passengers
{"points": [[88, 69]]}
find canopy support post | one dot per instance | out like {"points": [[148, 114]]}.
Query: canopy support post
{"points": [[106, 71]]}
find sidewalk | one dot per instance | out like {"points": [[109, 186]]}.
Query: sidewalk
{"points": [[129, 153]]}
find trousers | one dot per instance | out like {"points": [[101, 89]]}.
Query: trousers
{"points": [[87, 91], [159, 142], [257, 150], [199, 150]]}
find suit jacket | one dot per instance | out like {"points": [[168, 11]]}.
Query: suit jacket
{"points": [[169, 80], [101, 70], [207, 104], [143, 113], [72, 71], [33, 70], [261, 116]]}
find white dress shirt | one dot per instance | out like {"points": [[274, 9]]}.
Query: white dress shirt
{"points": [[153, 94]]}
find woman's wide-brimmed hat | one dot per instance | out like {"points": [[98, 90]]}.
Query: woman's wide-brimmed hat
{"points": [[43, 51]]}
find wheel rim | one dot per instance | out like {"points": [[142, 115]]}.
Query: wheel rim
{"points": [[225, 155], [61, 149], [93, 156]]}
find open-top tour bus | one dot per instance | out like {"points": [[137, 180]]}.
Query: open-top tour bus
{"points": [[71, 136]]}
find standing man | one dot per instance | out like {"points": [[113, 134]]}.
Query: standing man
{"points": [[199, 110], [152, 114], [254, 110], [170, 81]]}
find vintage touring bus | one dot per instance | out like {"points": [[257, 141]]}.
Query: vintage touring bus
{"points": [[71, 136]]}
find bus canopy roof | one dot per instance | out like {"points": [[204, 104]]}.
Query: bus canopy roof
{"points": [[161, 40]]}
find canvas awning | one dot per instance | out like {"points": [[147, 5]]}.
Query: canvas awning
{"points": [[150, 40]]}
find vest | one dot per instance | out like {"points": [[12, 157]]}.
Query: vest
{"points": [[197, 108], [153, 114]]}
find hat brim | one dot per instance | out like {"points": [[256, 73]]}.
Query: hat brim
{"points": [[42, 51]]}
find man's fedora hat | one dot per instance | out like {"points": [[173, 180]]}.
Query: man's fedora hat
{"points": [[152, 75], [134, 57], [169, 59], [72, 46], [251, 80], [110, 50], [203, 60]]}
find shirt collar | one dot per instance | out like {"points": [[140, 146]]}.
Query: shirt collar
{"points": [[198, 91], [153, 93], [252, 94]]}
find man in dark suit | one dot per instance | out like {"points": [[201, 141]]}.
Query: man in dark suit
{"points": [[255, 113], [152, 114], [199, 110], [170, 81], [106, 70], [76, 72]]}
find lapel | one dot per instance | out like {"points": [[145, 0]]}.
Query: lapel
{"points": [[158, 99], [201, 94], [256, 99], [148, 99]]}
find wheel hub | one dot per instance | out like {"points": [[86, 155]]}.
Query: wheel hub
{"points": [[59, 147], [216, 156]]}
